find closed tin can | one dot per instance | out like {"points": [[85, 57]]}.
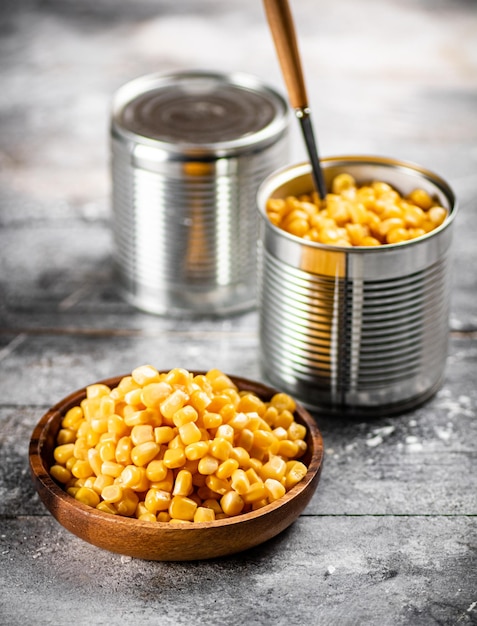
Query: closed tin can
{"points": [[188, 152], [355, 330]]}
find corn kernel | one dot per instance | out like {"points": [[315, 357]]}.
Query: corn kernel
{"points": [[173, 403], [195, 451], [274, 468], [256, 491], [60, 473], [73, 418], [82, 469], [145, 374], [87, 496], [182, 508], [218, 485], [208, 465], [123, 450], [275, 489], [142, 433], [63, 452], [182, 483], [174, 458], [240, 482], [156, 471], [112, 493], [127, 505], [295, 474], [157, 500], [212, 420], [226, 468], [296, 431], [232, 503], [185, 415], [204, 514], [220, 448], [189, 433], [134, 477], [153, 394], [110, 468], [107, 507]]}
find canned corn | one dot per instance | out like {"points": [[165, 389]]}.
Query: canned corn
{"points": [[355, 330], [188, 152]]}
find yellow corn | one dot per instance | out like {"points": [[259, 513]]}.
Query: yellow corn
{"points": [[204, 514], [185, 415], [166, 446], [218, 485], [60, 473], [275, 489], [208, 465], [112, 493], [274, 468], [127, 505], [255, 492], [296, 431], [182, 508], [173, 403], [295, 473], [106, 507], [110, 468], [156, 471], [232, 503], [174, 458], [95, 461], [182, 483], [123, 450], [164, 434], [145, 374], [189, 433], [73, 418], [63, 452], [134, 477], [87, 496], [142, 433], [102, 481], [212, 420], [195, 451], [82, 469], [240, 482], [166, 484], [226, 468], [106, 450], [157, 500], [220, 448], [154, 393]]}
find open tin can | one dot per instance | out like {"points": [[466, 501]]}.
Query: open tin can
{"points": [[355, 330], [188, 152]]}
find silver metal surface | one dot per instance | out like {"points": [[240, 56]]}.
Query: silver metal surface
{"points": [[355, 330], [189, 151]]}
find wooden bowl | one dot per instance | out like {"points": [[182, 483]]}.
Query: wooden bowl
{"points": [[162, 541]]}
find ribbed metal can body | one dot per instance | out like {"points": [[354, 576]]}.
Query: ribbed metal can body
{"points": [[356, 330], [188, 153]]}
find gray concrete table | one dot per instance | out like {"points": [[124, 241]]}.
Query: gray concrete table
{"points": [[390, 535]]}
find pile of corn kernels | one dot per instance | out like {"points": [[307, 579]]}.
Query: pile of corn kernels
{"points": [[177, 447], [352, 215]]}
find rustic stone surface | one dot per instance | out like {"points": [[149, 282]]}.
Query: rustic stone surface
{"points": [[389, 538]]}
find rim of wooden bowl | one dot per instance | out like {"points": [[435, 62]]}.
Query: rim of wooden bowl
{"points": [[160, 540]]}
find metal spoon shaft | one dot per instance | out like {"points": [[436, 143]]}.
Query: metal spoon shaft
{"points": [[282, 28]]}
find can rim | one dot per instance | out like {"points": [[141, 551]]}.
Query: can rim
{"points": [[140, 85], [288, 173]]}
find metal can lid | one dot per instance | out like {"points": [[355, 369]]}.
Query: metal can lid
{"points": [[199, 112]]}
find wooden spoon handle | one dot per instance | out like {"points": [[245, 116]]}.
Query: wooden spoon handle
{"points": [[282, 28]]}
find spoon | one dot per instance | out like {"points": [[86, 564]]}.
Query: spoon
{"points": [[282, 28]]}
